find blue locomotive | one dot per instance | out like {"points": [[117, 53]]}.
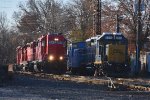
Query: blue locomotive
{"points": [[78, 59]]}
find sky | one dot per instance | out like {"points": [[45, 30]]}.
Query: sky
{"points": [[9, 6]]}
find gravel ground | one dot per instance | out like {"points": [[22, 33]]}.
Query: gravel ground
{"points": [[31, 88]]}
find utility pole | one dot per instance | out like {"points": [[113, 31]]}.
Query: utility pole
{"points": [[119, 19], [98, 25], [94, 16], [138, 37], [118, 26]]}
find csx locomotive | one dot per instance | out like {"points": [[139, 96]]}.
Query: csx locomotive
{"points": [[111, 55], [47, 54]]}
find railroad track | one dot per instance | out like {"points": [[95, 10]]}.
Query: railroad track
{"points": [[111, 83]]}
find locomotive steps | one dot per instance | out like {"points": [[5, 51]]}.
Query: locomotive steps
{"points": [[111, 83]]}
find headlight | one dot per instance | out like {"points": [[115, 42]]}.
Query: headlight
{"points": [[61, 58], [51, 58], [56, 39]]}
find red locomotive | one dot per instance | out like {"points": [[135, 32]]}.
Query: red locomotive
{"points": [[47, 54]]}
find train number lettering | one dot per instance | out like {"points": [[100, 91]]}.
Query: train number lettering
{"points": [[119, 38], [108, 37], [56, 42]]}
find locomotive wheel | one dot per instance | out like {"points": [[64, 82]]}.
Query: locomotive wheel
{"points": [[25, 68], [36, 68], [73, 71], [96, 73], [31, 67], [99, 71]]}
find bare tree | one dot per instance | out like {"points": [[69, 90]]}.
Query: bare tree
{"points": [[128, 25], [44, 16], [83, 19], [3, 38]]}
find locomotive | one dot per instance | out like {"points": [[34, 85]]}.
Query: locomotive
{"points": [[78, 59], [111, 57], [47, 54]]}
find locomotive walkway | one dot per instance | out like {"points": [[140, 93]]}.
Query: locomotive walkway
{"points": [[26, 86]]}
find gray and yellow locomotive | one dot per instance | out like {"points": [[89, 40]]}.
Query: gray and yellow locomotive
{"points": [[111, 55]]}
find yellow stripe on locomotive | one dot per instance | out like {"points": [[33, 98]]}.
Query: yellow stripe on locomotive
{"points": [[116, 53]]}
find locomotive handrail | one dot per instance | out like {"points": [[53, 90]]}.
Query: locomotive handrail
{"points": [[110, 82]]}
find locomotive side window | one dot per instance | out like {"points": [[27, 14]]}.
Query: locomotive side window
{"points": [[74, 45], [39, 44], [100, 49], [36, 44], [88, 44], [65, 44], [107, 49], [43, 43], [93, 42]]}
